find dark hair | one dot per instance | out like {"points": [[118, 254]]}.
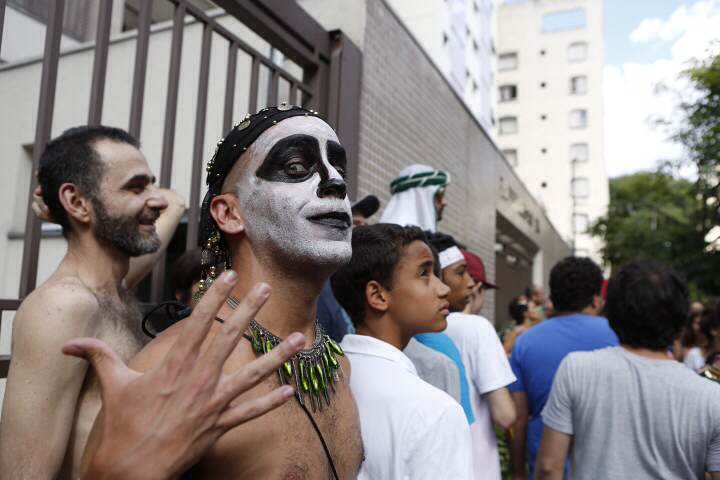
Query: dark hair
{"points": [[574, 281], [516, 309], [441, 241], [647, 304], [186, 270], [376, 251], [708, 323], [530, 290], [689, 338], [72, 158]]}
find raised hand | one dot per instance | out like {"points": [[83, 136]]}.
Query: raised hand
{"points": [[159, 423]]}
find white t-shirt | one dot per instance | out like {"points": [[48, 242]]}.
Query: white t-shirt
{"points": [[487, 369], [410, 429], [694, 359]]}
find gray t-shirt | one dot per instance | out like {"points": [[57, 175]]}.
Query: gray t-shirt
{"points": [[435, 368], [635, 417]]}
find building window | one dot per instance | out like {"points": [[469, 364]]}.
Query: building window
{"points": [[508, 125], [578, 85], [564, 20], [508, 93], [579, 152], [507, 61], [511, 156], [580, 187], [581, 222], [578, 118], [77, 15], [577, 51]]}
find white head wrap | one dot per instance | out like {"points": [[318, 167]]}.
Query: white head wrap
{"points": [[414, 206], [449, 256]]}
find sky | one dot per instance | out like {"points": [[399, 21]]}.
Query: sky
{"points": [[648, 43]]}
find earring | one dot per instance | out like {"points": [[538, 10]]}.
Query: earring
{"points": [[214, 260]]}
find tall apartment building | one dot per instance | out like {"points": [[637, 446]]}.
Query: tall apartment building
{"points": [[550, 109], [458, 35]]}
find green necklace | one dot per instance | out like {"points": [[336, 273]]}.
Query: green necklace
{"points": [[313, 372]]}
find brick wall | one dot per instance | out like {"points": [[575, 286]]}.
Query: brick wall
{"points": [[410, 114]]}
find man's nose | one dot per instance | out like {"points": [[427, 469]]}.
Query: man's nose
{"points": [[335, 187], [157, 200], [443, 289]]}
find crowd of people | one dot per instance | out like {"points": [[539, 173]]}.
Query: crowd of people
{"points": [[308, 343]]}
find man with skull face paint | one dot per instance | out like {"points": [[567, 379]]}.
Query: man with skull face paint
{"points": [[277, 211]]}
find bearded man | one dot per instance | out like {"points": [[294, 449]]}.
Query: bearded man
{"points": [[98, 187], [278, 213]]}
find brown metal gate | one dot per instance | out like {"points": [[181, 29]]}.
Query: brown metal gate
{"points": [[330, 83]]}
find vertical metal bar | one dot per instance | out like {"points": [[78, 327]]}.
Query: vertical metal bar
{"points": [[172, 94], [254, 74], [273, 90], [102, 41], [141, 53], [158, 278], [2, 20], [293, 94], [43, 127], [200, 114], [230, 87], [317, 79]]}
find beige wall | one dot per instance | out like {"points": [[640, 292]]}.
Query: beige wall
{"points": [[519, 30]]}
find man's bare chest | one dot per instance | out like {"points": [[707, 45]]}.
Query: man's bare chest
{"points": [[118, 323], [284, 444]]}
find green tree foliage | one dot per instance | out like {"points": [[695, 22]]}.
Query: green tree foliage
{"points": [[660, 216], [699, 132], [652, 215]]}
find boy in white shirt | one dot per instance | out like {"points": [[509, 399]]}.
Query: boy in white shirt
{"points": [[410, 429], [486, 365]]}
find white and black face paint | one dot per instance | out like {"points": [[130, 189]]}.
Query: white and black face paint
{"points": [[293, 195]]}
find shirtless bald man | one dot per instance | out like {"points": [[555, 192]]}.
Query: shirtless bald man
{"points": [[98, 186], [277, 212]]}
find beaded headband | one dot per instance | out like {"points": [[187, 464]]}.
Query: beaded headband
{"points": [[215, 257]]}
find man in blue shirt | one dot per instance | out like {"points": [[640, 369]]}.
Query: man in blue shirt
{"points": [[575, 290]]}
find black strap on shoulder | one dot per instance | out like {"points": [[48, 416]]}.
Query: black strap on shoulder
{"points": [[322, 440], [312, 421]]}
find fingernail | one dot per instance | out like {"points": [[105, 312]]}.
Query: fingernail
{"points": [[262, 289], [296, 339], [230, 277], [287, 391]]}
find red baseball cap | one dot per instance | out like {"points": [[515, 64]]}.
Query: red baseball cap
{"points": [[476, 269]]}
